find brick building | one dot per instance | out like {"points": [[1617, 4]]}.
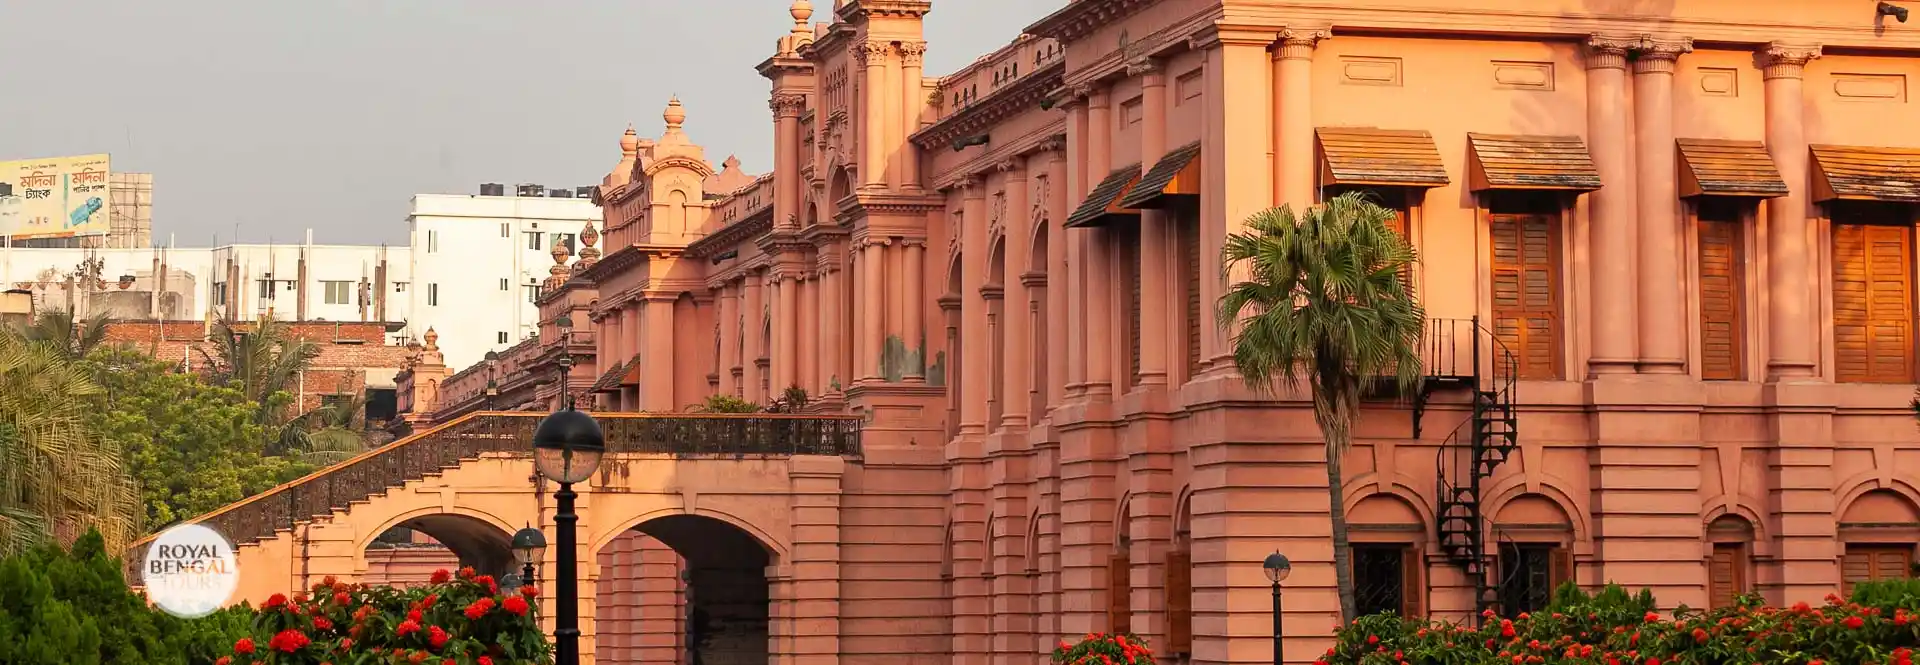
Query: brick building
{"points": [[354, 356]]}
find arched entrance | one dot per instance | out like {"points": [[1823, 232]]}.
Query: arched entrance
{"points": [[686, 590], [408, 552]]}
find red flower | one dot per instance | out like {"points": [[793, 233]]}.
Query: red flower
{"points": [[1853, 623], [329, 581], [427, 602], [341, 598], [276, 601], [406, 628], [516, 605], [485, 660], [413, 615], [466, 573], [288, 641], [437, 637], [479, 608], [322, 623], [484, 580], [440, 576], [223, 660], [1653, 617], [530, 591], [417, 658], [244, 646], [346, 643]]}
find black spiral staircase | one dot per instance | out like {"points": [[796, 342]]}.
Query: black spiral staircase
{"points": [[1468, 457]]}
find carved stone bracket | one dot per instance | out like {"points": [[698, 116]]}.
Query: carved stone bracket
{"points": [[1013, 170], [1782, 60]]}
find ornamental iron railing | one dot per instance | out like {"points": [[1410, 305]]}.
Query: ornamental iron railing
{"points": [[320, 494]]}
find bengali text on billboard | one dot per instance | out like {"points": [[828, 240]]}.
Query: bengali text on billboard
{"points": [[54, 197]]}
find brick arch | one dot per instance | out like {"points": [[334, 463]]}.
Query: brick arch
{"points": [[461, 547], [1401, 487], [777, 551], [1736, 506], [1515, 487], [1867, 482]]}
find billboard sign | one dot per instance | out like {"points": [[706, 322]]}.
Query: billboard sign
{"points": [[55, 197]]}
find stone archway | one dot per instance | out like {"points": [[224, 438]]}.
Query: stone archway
{"points": [[410, 550], [684, 590]]}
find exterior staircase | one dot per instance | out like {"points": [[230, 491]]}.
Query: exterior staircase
{"points": [[265, 527], [1468, 458]]}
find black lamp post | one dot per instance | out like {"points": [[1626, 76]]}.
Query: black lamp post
{"points": [[566, 448], [528, 545], [493, 389], [565, 363], [1277, 567]]}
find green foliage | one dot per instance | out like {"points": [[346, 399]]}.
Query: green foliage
{"points": [[1880, 625], [262, 363], [1104, 649], [792, 400], [57, 475], [1324, 300], [724, 404], [73, 336], [192, 447], [73, 606]]}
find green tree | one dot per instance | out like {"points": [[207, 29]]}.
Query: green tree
{"points": [[192, 447], [260, 362], [1324, 300], [332, 433], [57, 475], [74, 336]]}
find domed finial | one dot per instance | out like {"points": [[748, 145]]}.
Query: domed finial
{"points": [[588, 236], [433, 339], [560, 254], [801, 11], [629, 142], [675, 113]]}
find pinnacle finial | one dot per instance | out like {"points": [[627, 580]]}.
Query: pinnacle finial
{"points": [[802, 10], [675, 114]]}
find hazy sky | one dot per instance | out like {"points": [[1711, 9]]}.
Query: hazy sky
{"points": [[285, 115]]}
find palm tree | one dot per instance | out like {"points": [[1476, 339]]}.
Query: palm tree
{"points": [[331, 434], [57, 476], [72, 336], [258, 362], [1325, 300]]}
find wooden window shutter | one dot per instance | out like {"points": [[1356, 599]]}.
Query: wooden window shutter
{"points": [[1726, 578], [1119, 595], [1130, 252], [1722, 352], [1179, 590], [1559, 566], [1190, 259], [1526, 291], [1872, 303], [1413, 582]]}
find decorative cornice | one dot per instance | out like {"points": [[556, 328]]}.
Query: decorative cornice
{"points": [[1079, 19], [696, 165], [860, 10], [992, 109], [1225, 34], [1608, 51], [1658, 56], [1033, 279], [752, 226], [614, 263], [1144, 66], [870, 53], [1783, 60], [787, 105], [992, 292]]}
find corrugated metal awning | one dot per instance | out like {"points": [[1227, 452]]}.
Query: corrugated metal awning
{"points": [[1508, 161], [1866, 174], [1175, 177], [609, 381], [1102, 205], [1712, 167], [1372, 156], [632, 375]]}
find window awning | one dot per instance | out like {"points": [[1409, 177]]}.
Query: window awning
{"points": [[632, 375], [1102, 205], [1712, 167], [1372, 156], [1508, 161], [610, 380], [1175, 177], [1866, 174]]}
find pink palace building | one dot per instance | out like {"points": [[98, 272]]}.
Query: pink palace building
{"points": [[1668, 252]]}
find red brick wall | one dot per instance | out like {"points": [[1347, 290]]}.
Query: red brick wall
{"points": [[339, 368]]}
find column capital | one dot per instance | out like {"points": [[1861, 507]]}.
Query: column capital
{"points": [[1657, 56], [1056, 143], [1221, 34], [1148, 67], [972, 185], [1783, 60], [1298, 43], [870, 53], [1609, 51], [787, 104], [912, 53], [1012, 168]]}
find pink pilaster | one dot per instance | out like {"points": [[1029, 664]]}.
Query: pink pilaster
{"points": [[1155, 261], [1097, 260], [973, 309], [872, 310], [1790, 316], [913, 102], [1294, 166], [872, 57], [1078, 182], [1016, 355], [1663, 330], [913, 333], [657, 384], [786, 327], [1059, 198], [1235, 151], [1615, 341], [755, 348]]}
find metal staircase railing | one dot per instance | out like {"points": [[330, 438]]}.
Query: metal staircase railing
{"points": [[446, 446], [1465, 462]]}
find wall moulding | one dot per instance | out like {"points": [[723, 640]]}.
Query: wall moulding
{"points": [[1039, 140]]}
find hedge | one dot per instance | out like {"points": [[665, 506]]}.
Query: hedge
{"points": [[1880, 623]]}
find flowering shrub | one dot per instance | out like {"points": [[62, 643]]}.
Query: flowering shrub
{"points": [[1880, 625], [463, 621], [1104, 649]]}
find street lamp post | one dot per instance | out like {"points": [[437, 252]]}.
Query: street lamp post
{"points": [[1277, 567], [565, 363], [566, 448], [493, 389], [528, 545]]}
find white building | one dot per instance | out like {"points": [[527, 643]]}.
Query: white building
{"points": [[471, 274], [479, 261]]}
